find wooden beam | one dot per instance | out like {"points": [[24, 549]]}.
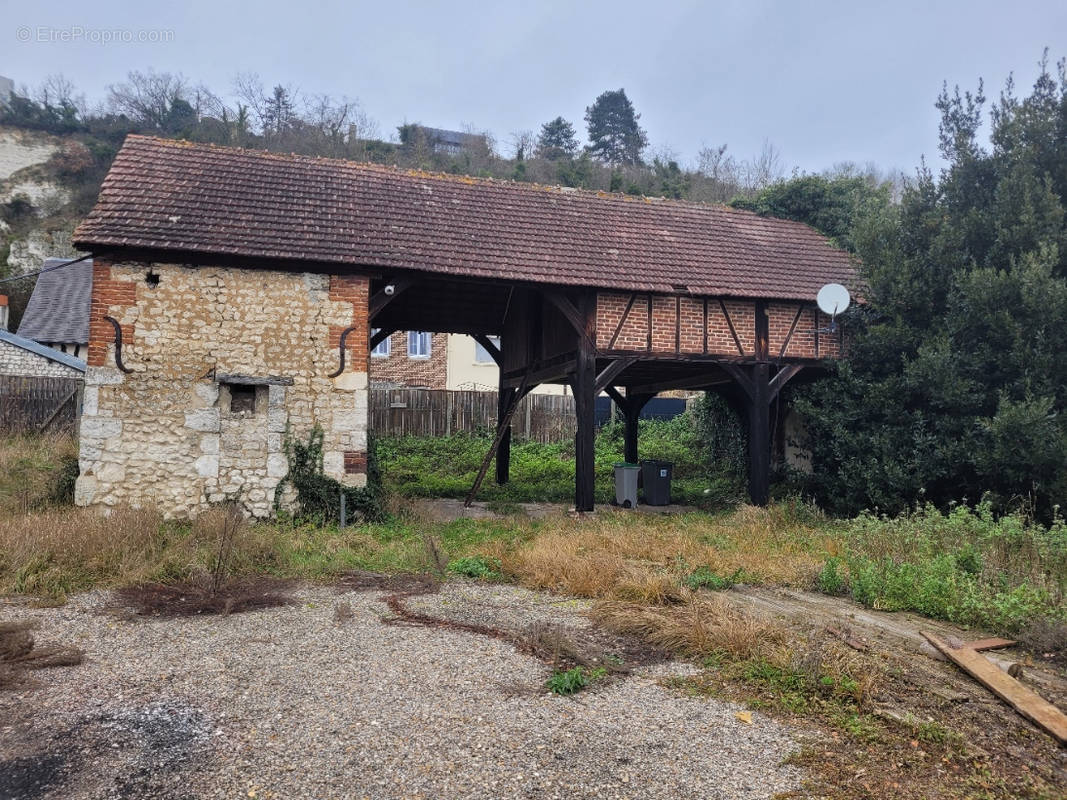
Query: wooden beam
{"points": [[490, 348], [549, 373], [503, 424], [730, 325], [763, 334], [504, 399], [635, 403], [792, 330], [759, 435], [617, 397], [741, 376], [567, 308], [622, 321], [585, 411], [784, 375], [612, 371], [379, 337], [1029, 704], [699, 382], [381, 298]]}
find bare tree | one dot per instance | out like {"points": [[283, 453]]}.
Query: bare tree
{"points": [[764, 169], [57, 91], [523, 144], [148, 97], [248, 88]]}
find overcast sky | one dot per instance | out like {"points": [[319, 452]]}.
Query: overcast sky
{"points": [[823, 81]]}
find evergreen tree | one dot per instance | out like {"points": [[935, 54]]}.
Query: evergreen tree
{"points": [[278, 114], [557, 140], [830, 205], [956, 380], [614, 135]]}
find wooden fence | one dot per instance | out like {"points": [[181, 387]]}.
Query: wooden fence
{"points": [[439, 412], [32, 404]]}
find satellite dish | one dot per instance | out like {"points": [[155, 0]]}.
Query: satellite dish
{"points": [[833, 299]]}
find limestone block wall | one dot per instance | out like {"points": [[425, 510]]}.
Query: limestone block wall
{"points": [[224, 363]]}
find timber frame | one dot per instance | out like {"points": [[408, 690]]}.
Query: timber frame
{"points": [[630, 346]]}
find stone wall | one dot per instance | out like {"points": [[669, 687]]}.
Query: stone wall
{"points": [[16, 361], [224, 362]]}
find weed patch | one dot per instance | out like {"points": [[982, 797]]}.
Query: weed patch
{"points": [[572, 681], [476, 567]]}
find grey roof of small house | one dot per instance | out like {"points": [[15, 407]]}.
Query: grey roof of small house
{"points": [[58, 310], [452, 138], [41, 350]]}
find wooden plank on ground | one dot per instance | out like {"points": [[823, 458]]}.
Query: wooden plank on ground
{"points": [[990, 644], [1030, 705]]}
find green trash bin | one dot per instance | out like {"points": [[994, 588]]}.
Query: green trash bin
{"points": [[626, 484], [656, 476]]}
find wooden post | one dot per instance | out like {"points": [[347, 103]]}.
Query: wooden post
{"points": [[503, 452], [634, 404], [584, 408], [759, 435]]}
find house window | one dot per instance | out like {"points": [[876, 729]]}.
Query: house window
{"points": [[481, 355], [381, 350], [418, 344]]}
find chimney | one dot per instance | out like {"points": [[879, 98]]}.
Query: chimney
{"points": [[3, 312]]}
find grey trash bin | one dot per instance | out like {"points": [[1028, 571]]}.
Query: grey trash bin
{"points": [[626, 484], [656, 476]]}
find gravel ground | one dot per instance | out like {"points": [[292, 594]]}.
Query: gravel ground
{"points": [[292, 703]]}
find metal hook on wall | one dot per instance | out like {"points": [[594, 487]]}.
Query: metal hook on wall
{"points": [[118, 344], [344, 336]]}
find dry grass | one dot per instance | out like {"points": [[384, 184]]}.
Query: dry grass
{"points": [[612, 557], [19, 652], [36, 472], [708, 626], [57, 552]]}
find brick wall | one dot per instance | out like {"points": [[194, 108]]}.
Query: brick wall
{"points": [[727, 326], [399, 369], [165, 435]]}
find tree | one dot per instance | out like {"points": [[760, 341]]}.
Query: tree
{"points": [[557, 140], [279, 115], [830, 205], [614, 135], [956, 381], [148, 98]]}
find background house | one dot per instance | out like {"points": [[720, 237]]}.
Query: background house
{"points": [[424, 360], [57, 314]]}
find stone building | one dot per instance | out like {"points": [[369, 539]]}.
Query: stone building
{"points": [[26, 358], [220, 364], [236, 296]]}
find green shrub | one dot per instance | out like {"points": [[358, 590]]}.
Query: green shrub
{"points": [[476, 567], [704, 578], [830, 580], [318, 495]]}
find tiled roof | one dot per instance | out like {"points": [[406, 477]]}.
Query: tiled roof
{"points": [[39, 349], [176, 196], [58, 311]]}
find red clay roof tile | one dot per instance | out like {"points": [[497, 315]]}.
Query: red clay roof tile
{"points": [[169, 195]]}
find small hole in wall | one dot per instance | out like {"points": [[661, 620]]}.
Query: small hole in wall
{"points": [[242, 398], [152, 279]]}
